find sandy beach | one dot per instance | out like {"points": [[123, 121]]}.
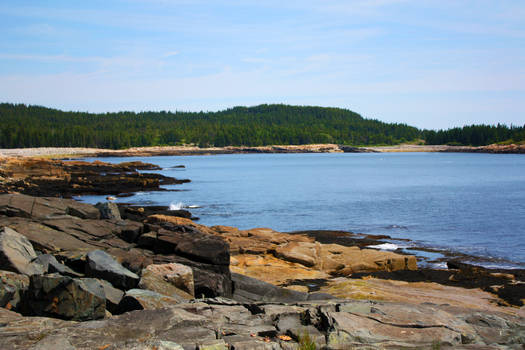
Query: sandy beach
{"points": [[64, 152]]}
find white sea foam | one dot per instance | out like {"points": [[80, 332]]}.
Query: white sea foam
{"points": [[193, 206], [176, 206], [385, 246]]}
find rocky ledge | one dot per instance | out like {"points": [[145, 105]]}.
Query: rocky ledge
{"points": [[44, 177]]}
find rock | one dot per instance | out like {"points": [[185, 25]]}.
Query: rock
{"points": [[20, 205], [130, 230], [209, 323], [53, 343], [205, 248], [49, 177], [147, 240], [249, 289], [13, 286], [299, 252], [65, 297], [140, 299], [51, 265], [168, 279], [6, 294], [42, 237], [102, 265], [113, 296], [108, 210], [16, 253]]}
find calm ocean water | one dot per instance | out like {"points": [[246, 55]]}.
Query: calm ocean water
{"points": [[470, 203]]}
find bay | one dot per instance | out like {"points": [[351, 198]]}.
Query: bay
{"points": [[465, 202]]}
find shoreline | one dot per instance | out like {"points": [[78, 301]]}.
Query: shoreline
{"points": [[92, 273], [65, 152]]}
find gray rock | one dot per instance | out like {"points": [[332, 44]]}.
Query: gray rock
{"points": [[66, 298], [212, 323], [12, 287], [6, 293], [250, 289], [141, 299], [20, 205], [16, 253], [51, 265], [102, 265], [53, 343], [113, 296], [108, 210]]}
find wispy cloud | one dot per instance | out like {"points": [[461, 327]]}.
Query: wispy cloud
{"points": [[170, 54]]}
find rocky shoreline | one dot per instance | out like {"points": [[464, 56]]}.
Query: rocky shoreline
{"points": [[58, 152], [78, 276]]}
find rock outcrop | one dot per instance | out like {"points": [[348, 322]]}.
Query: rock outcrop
{"points": [[44, 177], [220, 324]]}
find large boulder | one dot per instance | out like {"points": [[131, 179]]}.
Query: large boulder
{"points": [[168, 279], [108, 210], [65, 297], [141, 299], [17, 253], [102, 265], [247, 289]]}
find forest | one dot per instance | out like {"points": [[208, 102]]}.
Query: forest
{"points": [[35, 126]]}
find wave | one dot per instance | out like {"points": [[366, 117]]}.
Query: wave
{"points": [[385, 246], [176, 206], [180, 206]]}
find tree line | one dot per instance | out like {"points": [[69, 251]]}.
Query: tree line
{"points": [[35, 126], [476, 135]]}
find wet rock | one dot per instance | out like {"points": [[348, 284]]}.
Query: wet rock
{"points": [[51, 265], [17, 254], [168, 279], [102, 265], [141, 299], [108, 210], [65, 297]]}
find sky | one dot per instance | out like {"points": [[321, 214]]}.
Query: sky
{"points": [[431, 64]]}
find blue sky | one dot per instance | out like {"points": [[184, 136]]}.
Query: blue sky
{"points": [[432, 64]]}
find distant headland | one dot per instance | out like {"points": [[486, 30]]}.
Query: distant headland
{"points": [[241, 130]]}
